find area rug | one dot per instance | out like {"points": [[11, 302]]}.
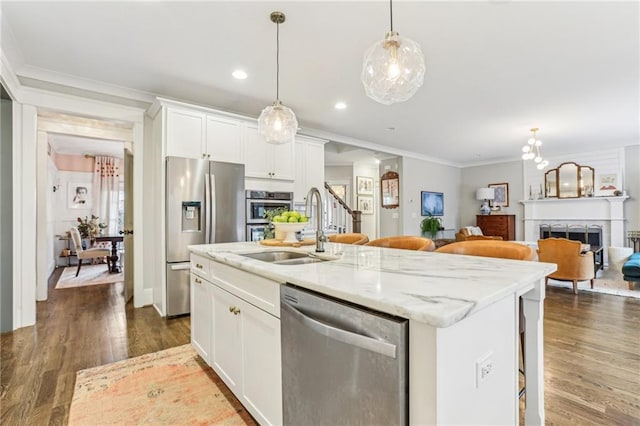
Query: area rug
{"points": [[170, 387], [89, 275], [607, 283]]}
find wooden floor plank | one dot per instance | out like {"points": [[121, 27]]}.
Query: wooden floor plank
{"points": [[591, 343]]}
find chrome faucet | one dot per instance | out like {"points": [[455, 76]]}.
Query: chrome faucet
{"points": [[320, 237]]}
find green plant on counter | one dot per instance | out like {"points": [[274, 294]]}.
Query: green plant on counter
{"points": [[269, 229], [430, 226]]}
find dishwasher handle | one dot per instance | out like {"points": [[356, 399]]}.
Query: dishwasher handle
{"points": [[344, 336]]}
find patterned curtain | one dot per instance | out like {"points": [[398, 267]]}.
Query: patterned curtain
{"points": [[106, 190]]}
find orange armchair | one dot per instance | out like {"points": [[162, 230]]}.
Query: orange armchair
{"points": [[349, 238], [407, 242], [572, 265]]}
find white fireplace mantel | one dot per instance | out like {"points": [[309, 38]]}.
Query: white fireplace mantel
{"points": [[607, 212]]}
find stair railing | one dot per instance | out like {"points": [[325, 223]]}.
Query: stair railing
{"points": [[340, 215]]}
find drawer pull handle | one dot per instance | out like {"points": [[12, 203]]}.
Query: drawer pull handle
{"points": [[198, 281], [234, 310], [199, 266]]}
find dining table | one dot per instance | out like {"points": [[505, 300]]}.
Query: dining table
{"points": [[113, 259]]}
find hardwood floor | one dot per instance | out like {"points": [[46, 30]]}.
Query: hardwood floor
{"points": [[591, 342], [76, 328]]}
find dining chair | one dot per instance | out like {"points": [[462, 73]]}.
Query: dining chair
{"points": [[406, 242], [354, 238], [92, 253]]}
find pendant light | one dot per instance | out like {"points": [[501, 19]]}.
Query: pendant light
{"points": [[277, 124], [393, 69], [531, 151]]}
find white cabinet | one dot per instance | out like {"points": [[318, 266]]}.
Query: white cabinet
{"points": [[309, 166], [227, 334], [223, 140], [201, 316], [265, 160], [185, 132], [195, 134], [236, 323]]}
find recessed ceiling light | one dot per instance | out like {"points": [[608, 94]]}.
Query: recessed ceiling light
{"points": [[239, 74], [340, 105], [390, 129]]}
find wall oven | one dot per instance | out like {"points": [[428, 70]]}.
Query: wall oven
{"points": [[260, 202]]}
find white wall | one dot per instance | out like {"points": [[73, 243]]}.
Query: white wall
{"points": [[632, 186], [420, 175], [6, 222], [481, 176]]}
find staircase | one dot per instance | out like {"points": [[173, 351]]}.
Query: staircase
{"points": [[339, 216]]}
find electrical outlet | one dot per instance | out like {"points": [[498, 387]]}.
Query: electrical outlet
{"points": [[484, 368]]}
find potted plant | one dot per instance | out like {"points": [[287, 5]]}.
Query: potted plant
{"points": [[430, 226]]}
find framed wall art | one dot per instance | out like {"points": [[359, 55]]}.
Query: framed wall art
{"points": [[79, 195], [364, 185], [365, 204], [501, 194]]}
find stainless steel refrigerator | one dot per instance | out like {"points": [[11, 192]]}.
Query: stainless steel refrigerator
{"points": [[204, 205]]}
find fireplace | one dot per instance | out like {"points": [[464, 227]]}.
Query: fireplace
{"points": [[603, 218], [587, 234]]}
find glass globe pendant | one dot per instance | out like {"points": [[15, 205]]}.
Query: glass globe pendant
{"points": [[277, 123], [393, 69]]}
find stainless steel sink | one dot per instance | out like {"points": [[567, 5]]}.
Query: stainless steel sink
{"points": [[283, 257]]}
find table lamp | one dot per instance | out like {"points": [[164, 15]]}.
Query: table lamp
{"points": [[485, 194]]}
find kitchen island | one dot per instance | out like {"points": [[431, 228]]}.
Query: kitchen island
{"points": [[463, 322]]}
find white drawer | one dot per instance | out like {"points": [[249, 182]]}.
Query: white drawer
{"points": [[201, 265], [259, 291]]}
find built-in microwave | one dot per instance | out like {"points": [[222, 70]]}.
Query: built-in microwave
{"points": [[260, 202]]}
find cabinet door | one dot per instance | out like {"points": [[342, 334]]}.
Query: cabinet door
{"points": [[223, 140], [185, 133], [282, 160], [201, 316], [257, 154], [227, 332], [261, 364]]}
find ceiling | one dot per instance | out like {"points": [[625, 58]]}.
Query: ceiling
{"points": [[495, 68], [75, 145]]}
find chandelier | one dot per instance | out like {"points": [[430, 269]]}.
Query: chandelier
{"points": [[277, 123], [393, 69], [531, 151]]}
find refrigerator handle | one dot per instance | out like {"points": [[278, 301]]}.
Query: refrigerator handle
{"points": [[212, 215], [207, 209]]}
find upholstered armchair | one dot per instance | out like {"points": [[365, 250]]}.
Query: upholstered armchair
{"points": [[91, 253], [573, 265], [349, 238], [470, 233], [406, 242]]}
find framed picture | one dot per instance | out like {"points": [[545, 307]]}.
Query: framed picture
{"points": [[364, 185], [79, 195], [607, 184], [501, 194], [365, 204]]}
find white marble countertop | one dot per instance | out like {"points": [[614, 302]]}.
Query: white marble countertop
{"points": [[435, 288]]}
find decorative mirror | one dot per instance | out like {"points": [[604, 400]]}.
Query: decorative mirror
{"points": [[568, 180], [586, 181], [390, 190], [551, 183]]}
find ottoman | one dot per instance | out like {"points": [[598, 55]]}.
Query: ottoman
{"points": [[631, 270]]}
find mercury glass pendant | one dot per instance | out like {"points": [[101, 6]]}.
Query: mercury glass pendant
{"points": [[393, 69], [277, 123]]}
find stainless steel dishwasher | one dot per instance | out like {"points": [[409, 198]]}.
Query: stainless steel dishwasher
{"points": [[342, 364]]}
